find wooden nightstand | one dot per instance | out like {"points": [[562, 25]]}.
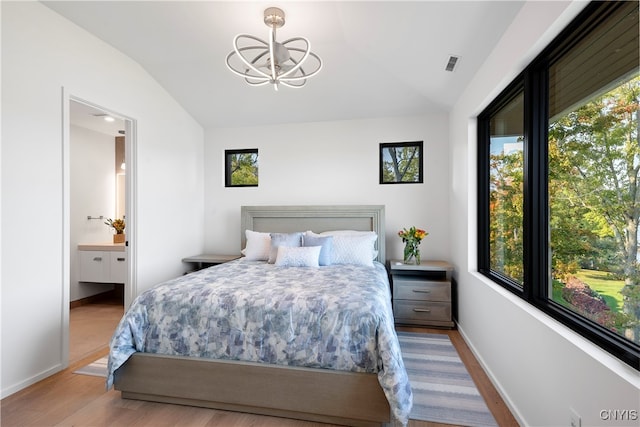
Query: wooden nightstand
{"points": [[422, 294], [204, 260]]}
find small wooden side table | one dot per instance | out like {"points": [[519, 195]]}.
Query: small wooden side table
{"points": [[207, 260]]}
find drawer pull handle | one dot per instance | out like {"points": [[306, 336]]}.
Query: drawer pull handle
{"points": [[422, 310], [422, 291], [97, 258], [120, 259]]}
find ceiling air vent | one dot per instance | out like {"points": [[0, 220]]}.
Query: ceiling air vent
{"points": [[453, 60]]}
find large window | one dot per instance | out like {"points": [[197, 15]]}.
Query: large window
{"points": [[559, 163]]}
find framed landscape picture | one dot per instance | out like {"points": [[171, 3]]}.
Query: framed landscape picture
{"points": [[241, 168], [401, 163]]}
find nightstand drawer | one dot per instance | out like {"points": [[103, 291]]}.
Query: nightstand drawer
{"points": [[417, 312], [409, 288]]}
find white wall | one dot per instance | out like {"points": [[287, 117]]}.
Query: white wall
{"points": [[93, 193], [542, 368], [332, 163], [41, 53]]}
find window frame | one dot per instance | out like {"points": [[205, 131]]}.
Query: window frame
{"points": [[484, 177], [419, 145], [228, 156], [536, 263]]}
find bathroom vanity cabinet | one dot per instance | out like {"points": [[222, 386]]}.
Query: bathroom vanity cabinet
{"points": [[102, 263]]}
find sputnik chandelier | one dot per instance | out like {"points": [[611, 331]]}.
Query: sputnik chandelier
{"points": [[273, 62]]}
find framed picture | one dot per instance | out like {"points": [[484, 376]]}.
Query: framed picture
{"points": [[241, 168], [401, 163]]}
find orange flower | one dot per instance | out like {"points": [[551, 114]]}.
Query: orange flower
{"points": [[412, 235]]}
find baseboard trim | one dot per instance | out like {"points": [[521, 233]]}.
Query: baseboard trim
{"points": [[111, 295], [498, 386], [30, 381]]}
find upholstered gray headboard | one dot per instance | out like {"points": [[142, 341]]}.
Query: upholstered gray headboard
{"points": [[288, 219]]}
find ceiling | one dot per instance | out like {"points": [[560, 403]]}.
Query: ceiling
{"points": [[379, 58], [86, 116]]}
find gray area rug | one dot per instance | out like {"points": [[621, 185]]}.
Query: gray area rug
{"points": [[443, 390], [96, 369]]}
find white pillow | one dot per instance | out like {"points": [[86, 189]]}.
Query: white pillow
{"points": [[258, 246], [353, 247], [303, 256]]}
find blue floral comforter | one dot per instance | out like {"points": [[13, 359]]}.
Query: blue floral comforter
{"points": [[334, 317]]}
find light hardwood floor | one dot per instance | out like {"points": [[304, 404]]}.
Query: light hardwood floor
{"points": [[91, 326], [68, 399]]}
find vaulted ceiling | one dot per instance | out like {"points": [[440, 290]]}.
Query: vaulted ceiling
{"points": [[379, 58]]}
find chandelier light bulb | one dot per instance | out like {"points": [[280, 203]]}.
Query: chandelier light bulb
{"points": [[259, 62]]}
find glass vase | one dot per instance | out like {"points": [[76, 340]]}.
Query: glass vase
{"points": [[411, 254]]}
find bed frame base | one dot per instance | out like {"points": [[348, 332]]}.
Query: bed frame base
{"points": [[320, 395]]}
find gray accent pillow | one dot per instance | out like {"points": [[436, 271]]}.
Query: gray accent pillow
{"points": [[292, 240], [325, 242]]}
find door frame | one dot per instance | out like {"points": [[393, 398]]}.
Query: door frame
{"points": [[130, 285]]}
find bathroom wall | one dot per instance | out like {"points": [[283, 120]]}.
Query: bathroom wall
{"points": [[93, 193]]}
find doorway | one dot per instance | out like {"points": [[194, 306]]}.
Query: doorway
{"points": [[99, 181]]}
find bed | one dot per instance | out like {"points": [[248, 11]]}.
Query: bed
{"points": [[249, 351]]}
